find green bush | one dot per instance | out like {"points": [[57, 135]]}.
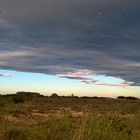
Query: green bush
{"points": [[18, 99], [3, 102]]}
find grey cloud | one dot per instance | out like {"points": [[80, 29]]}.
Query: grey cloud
{"points": [[56, 37]]}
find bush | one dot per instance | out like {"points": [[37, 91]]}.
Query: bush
{"points": [[18, 99], [127, 98], [3, 102]]}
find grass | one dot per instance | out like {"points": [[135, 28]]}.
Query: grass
{"points": [[63, 118]]}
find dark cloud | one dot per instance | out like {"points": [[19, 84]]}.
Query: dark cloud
{"points": [[58, 37]]}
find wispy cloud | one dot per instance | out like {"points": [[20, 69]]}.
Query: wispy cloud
{"points": [[90, 77], [5, 75]]}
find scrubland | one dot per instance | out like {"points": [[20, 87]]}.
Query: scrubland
{"points": [[26, 116]]}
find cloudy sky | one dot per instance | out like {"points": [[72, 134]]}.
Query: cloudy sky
{"points": [[82, 46]]}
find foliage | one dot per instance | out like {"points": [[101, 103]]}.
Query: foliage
{"points": [[18, 99]]}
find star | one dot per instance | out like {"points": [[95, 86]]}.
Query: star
{"points": [[99, 13]]}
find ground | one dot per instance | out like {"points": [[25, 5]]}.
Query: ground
{"points": [[24, 117]]}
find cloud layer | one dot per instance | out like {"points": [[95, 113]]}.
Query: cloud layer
{"points": [[63, 37]]}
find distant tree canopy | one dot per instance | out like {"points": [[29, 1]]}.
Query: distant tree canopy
{"points": [[54, 95], [127, 97], [29, 95], [22, 93]]}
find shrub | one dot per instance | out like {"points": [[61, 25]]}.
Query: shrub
{"points": [[128, 97], [3, 102], [18, 99]]}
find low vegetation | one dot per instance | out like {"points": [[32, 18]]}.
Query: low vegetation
{"points": [[31, 116]]}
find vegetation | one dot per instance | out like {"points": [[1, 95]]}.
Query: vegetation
{"points": [[18, 99], [31, 116], [128, 98]]}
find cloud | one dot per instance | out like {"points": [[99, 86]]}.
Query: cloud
{"points": [[71, 39], [90, 77], [122, 84], [5, 75]]}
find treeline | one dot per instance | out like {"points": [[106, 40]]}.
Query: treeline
{"points": [[55, 95], [127, 97]]}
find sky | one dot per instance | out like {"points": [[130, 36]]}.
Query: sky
{"points": [[85, 47]]}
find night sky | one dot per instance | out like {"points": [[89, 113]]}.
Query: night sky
{"points": [[92, 42]]}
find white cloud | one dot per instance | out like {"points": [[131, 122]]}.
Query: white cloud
{"points": [[5, 75], [92, 77]]}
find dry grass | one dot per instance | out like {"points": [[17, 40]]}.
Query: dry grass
{"points": [[44, 118]]}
